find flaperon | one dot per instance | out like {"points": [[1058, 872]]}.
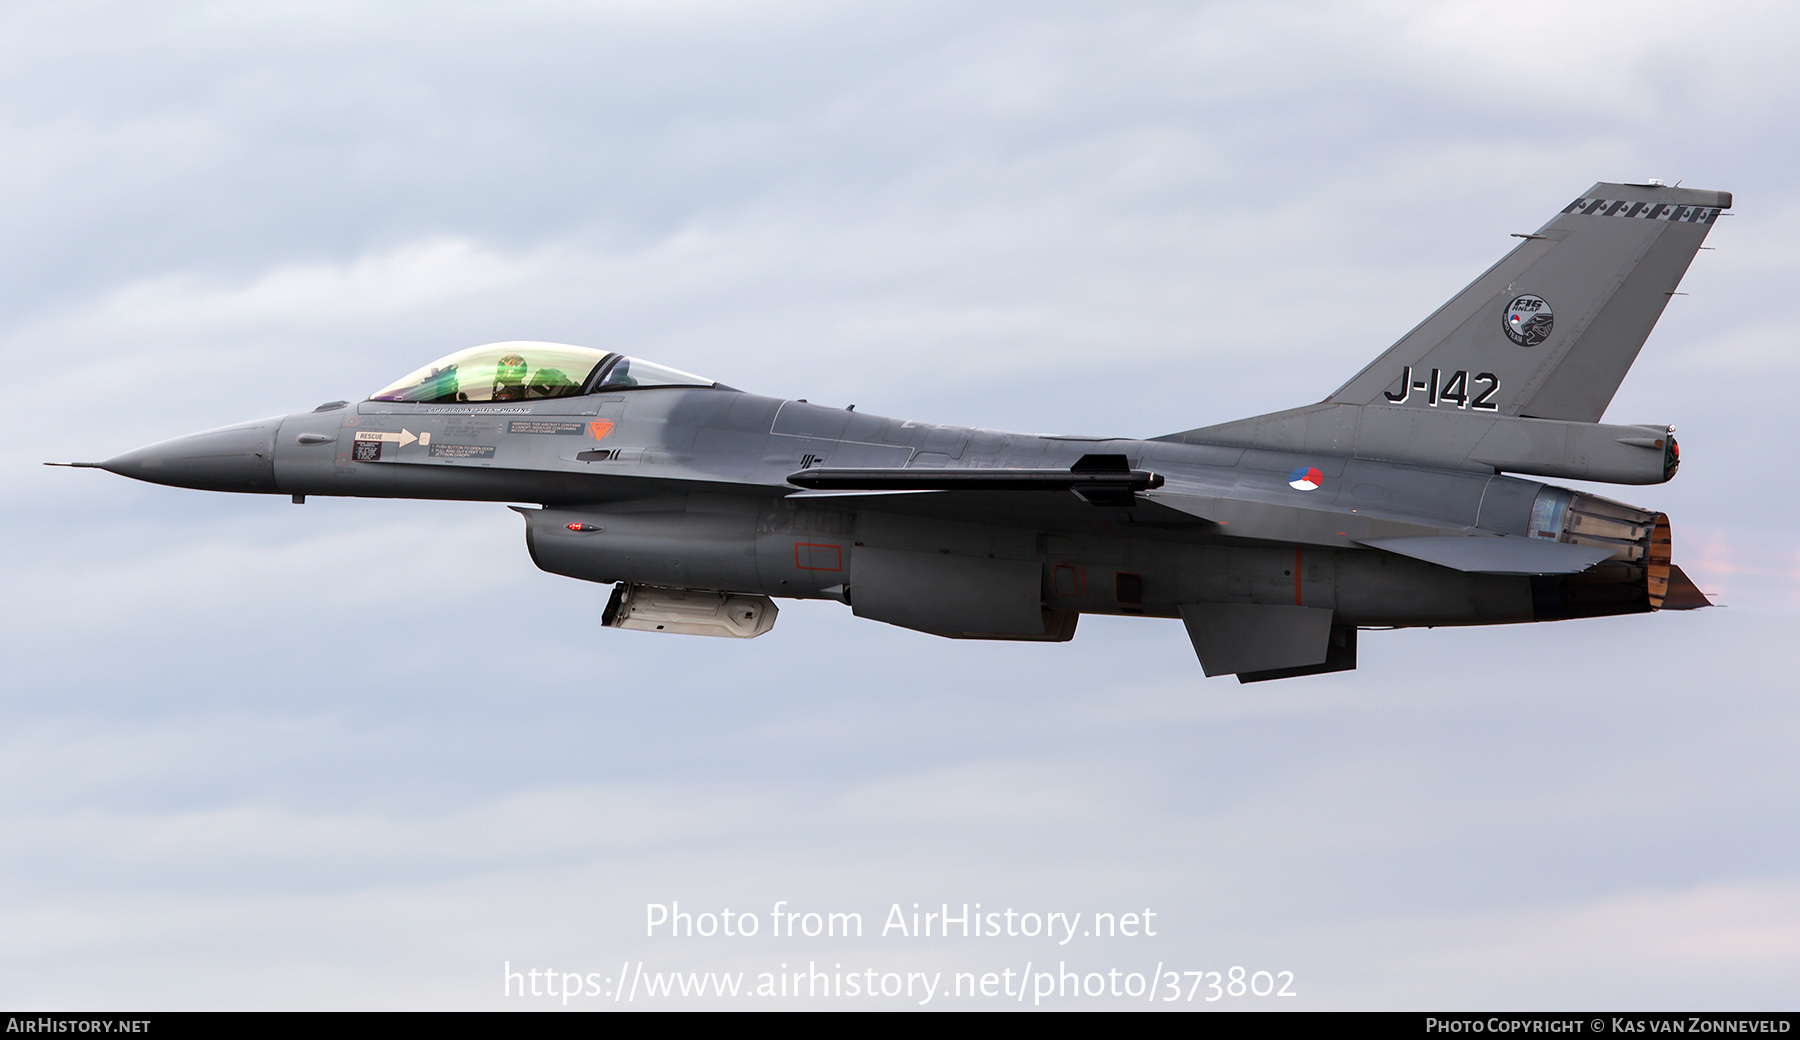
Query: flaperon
{"points": [[1403, 499]]}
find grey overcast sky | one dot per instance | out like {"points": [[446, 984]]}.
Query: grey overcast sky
{"points": [[363, 754]]}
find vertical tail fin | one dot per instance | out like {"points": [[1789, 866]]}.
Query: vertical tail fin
{"points": [[1550, 331]]}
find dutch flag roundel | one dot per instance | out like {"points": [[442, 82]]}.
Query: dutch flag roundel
{"points": [[1306, 478]]}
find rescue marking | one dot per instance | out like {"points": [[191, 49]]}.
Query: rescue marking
{"points": [[476, 409], [462, 451], [600, 428], [401, 439]]}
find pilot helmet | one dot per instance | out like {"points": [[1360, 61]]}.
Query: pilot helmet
{"points": [[509, 373]]}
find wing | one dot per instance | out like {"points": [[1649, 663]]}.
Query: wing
{"points": [[1048, 498]]}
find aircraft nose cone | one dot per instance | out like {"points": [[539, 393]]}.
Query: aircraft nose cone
{"points": [[231, 458]]}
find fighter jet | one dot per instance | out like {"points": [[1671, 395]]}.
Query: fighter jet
{"points": [[1406, 498]]}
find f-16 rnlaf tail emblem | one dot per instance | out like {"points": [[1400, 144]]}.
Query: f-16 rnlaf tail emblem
{"points": [[1527, 320], [1306, 479]]}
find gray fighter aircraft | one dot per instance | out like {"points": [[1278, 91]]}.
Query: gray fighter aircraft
{"points": [[1403, 499]]}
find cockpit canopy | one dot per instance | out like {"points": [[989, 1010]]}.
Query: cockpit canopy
{"points": [[525, 371]]}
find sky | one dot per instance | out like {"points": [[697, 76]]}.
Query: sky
{"points": [[362, 754]]}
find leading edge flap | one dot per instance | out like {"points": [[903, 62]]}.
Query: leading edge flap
{"points": [[1495, 555]]}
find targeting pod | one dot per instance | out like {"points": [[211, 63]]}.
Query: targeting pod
{"points": [[691, 612]]}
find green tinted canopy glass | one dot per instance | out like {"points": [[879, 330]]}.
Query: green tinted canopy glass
{"points": [[525, 371], [521, 371]]}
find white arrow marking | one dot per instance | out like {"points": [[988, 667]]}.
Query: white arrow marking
{"points": [[403, 438]]}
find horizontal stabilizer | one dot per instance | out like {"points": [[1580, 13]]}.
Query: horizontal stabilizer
{"points": [[1683, 594], [1496, 555]]}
